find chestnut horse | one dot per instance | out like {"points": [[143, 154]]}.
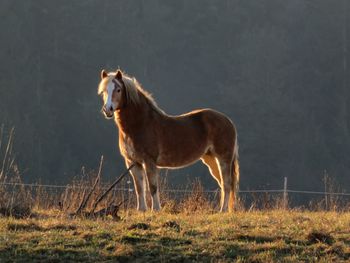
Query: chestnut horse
{"points": [[152, 139]]}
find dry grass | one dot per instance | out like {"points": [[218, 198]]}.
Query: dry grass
{"points": [[260, 236], [15, 200], [189, 228]]}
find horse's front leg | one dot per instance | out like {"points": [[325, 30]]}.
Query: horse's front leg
{"points": [[138, 176], [152, 173]]}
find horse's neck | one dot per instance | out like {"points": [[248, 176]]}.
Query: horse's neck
{"points": [[133, 119]]}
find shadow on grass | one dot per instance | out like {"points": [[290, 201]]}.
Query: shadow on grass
{"points": [[307, 249], [257, 239], [17, 254], [235, 251], [168, 241], [131, 239], [29, 227], [250, 238], [24, 227]]}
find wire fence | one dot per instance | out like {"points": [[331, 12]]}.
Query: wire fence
{"points": [[49, 195], [185, 190]]}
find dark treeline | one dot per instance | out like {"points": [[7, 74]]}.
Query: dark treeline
{"points": [[279, 69]]}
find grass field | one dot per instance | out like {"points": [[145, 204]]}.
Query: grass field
{"points": [[261, 236], [187, 230]]}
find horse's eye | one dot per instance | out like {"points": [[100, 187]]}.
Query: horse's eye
{"points": [[118, 90]]}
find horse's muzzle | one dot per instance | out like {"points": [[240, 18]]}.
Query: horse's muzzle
{"points": [[108, 113]]}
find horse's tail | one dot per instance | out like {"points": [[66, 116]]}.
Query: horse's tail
{"points": [[235, 178]]}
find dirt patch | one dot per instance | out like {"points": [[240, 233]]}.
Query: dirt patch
{"points": [[320, 237]]}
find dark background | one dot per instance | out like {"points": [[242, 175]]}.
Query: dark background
{"points": [[278, 69]]}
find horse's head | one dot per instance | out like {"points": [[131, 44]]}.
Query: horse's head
{"points": [[112, 89]]}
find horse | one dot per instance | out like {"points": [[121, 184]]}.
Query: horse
{"points": [[150, 139]]}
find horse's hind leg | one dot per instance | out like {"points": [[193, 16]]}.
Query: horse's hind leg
{"points": [[152, 173], [210, 161], [226, 179], [138, 176]]}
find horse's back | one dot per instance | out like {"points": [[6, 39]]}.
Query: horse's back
{"points": [[183, 139], [215, 125], [220, 130], [214, 121]]}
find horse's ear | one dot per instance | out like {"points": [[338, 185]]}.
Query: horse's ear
{"points": [[103, 74], [119, 75]]}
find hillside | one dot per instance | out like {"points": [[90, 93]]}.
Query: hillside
{"points": [[258, 236]]}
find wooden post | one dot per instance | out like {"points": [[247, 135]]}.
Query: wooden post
{"points": [[285, 194], [325, 181]]}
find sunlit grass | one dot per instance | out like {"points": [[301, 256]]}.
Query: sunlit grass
{"points": [[260, 236]]}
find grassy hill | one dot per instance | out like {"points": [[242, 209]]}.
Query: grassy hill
{"points": [[258, 236]]}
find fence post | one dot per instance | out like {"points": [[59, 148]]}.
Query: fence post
{"points": [[129, 191], [285, 194], [325, 181]]}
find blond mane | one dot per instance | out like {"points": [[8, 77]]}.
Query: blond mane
{"points": [[133, 89]]}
